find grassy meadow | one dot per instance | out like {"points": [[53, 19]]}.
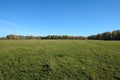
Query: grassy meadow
{"points": [[59, 60]]}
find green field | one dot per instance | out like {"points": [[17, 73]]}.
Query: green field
{"points": [[59, 60]]}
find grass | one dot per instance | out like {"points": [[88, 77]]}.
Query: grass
{"points": [[59, 60]]}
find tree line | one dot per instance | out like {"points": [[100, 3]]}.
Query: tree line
{"points": [[20, 37], [114, 35]]}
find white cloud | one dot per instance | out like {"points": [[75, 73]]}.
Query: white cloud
{"points": [[9, 23]]}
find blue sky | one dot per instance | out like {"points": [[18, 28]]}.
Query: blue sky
{"points": [[58, 17]]}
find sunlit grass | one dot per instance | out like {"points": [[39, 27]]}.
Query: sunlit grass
{"points": [[59, 60]]}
